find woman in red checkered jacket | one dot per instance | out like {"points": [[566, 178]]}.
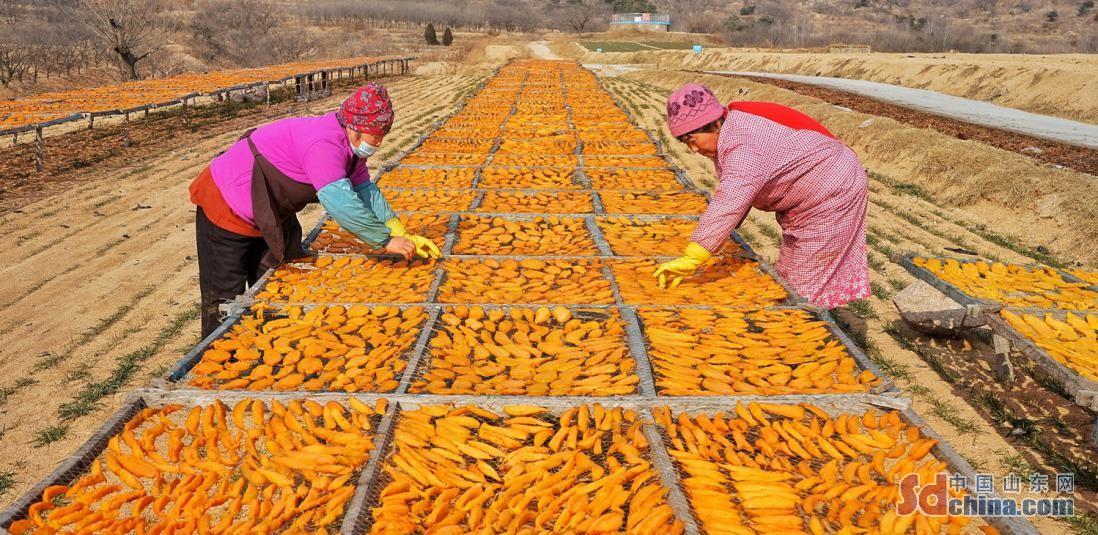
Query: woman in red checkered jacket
{"points": [[774, 158]]}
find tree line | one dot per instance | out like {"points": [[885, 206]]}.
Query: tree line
{"points": [[41, 40]]}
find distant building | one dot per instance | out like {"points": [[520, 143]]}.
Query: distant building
{"points": [[640, 21]]}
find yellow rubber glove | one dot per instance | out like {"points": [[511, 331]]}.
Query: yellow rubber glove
{"points": [[684, 266], [396, 228], [425, 248]]}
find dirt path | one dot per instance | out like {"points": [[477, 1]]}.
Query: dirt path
{"points": [[611, 69], [968, 110], [540, 50], [950, 380], [1074, 157], [100, 288]]}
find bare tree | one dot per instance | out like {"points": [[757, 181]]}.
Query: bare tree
{"points": [[696, 16], [579, 15], [16, 55], [132, 29], [11, 11], [471, 15], [800, 29], [164, 65], [60, 54], [235, 32], [15, 61], [290, 46]]}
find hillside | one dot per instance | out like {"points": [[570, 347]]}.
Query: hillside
{"points": [[166, 38], [1061, 85], [897, 25]]}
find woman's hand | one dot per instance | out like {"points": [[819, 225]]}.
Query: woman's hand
{"points": [[684, 266], [421, 246], [425, 248], [401, 246]]}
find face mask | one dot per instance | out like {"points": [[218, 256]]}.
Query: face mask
{"points": [[364, 149]]}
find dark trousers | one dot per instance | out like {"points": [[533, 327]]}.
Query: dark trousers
{"points": [[227, 264]]}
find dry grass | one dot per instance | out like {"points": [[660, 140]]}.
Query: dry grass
{"points": [[1062, 85]]}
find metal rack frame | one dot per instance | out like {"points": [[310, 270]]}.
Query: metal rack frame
{"points": [[357, 513], [884, 396], [1082, 391]]}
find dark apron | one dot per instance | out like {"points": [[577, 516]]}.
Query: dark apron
{"points": [[276, 200]]}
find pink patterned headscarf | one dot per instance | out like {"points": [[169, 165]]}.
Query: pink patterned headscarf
{"points": [[369, 110], [691, 107]]}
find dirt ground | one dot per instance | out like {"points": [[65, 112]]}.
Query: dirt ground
{"points": [[1062, 85], [1073, 157], [950, 379], [101, 289]]}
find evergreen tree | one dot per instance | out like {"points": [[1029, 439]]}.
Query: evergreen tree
{"points": [[447, 37], [429, 35]]}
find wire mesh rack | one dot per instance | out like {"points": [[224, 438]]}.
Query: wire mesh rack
{"points": [[614, 320], [1083, 391], [976, 306], [99, 447], [372, 477]]}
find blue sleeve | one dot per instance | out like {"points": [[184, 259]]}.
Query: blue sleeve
{"points": [[341, 202], [371, 196]]}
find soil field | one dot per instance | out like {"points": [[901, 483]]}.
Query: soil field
{"points": [[1073, 157]]}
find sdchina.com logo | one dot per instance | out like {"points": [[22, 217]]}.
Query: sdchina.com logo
{"points": [[929, 499], [947, 495]]}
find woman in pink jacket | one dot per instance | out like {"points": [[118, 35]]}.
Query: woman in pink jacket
{"points": [[777, 159], [248, 198]]}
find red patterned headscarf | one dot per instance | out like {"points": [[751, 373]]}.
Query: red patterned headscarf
{"points": [[369, 110]]}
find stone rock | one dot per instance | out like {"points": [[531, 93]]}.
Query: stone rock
{"points": [[929, 311], [1048, 206]]}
